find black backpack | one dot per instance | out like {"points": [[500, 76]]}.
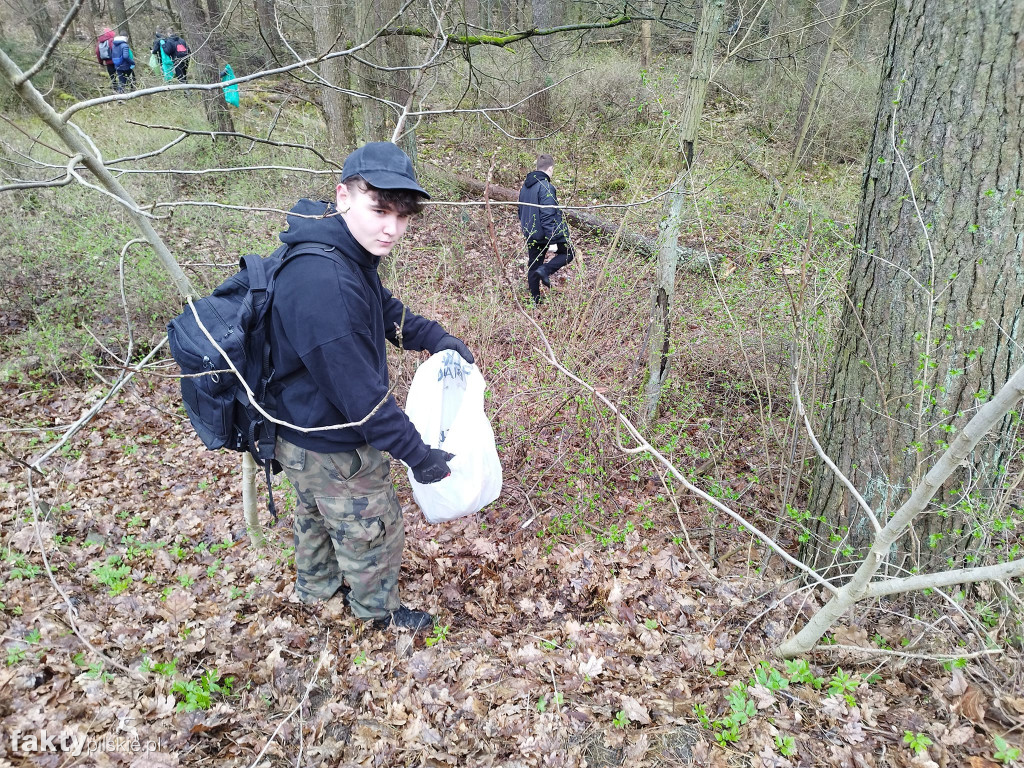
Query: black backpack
{"points": [[237, 316]]}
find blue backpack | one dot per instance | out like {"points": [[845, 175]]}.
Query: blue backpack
{"points": [[121, 55], [237, 316]]}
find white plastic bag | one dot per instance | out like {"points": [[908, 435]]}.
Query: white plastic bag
{"points": [[446, 404]]}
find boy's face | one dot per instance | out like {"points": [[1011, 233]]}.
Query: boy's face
{"points": [[549, 171], [375, 228]]}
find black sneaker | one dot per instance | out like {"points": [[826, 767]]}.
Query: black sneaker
{"points": [[405, 618]]}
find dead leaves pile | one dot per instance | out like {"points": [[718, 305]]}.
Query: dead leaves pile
{"points": [[560, 656]]}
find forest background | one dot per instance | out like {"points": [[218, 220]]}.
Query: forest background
{"points": [[761, 453]]}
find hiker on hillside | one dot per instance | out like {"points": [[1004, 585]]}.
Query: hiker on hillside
{"points": [[329, 320], [161, 48], [103, 44], [544, 228], [124, 62], [178, 51]]}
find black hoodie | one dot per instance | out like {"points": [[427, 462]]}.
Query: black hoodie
{"points": [[328, 324], [543, 226]]}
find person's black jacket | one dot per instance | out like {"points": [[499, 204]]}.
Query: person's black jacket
{"points": [[328, 324], [172, 49], [543, 226], [162, 44]]}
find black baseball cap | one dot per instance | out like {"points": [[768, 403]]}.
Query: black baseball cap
{"points": [[383, 165]]}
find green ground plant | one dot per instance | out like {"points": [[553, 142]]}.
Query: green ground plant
{"points": [[199, 694], [113, 574]]}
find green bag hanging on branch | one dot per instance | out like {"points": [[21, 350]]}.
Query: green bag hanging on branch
{"points": [[230, 91]]}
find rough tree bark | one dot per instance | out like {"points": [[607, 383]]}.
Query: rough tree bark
{"points": [[373, 82], [538, 108], [645, 36], [38, 17], [659, 352], [204, 67], [266, 14], [120, 18], [214, 13], [932, 325], [861, 585], [400, 85], [328, 25]]}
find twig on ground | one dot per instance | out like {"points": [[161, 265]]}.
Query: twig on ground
{"points": [[74, 428], [905, 655], [71, 611], [298, 706]]}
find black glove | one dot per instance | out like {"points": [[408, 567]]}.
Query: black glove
{"points": [[456, 345], [435, 466]]}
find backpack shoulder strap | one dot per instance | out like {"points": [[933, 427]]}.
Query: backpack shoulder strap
{"points": [[252, 263], [315, 249]]}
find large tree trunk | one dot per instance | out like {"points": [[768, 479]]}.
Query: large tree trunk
{"points": [[542, 51], [214, 13], [120, 17], [372, 81], [87, 21], [395, 87], [932, 326], [663, 292], [266, 15], [328, 24], [204, 67], [645, 35], [397, 54], [39, 20]]}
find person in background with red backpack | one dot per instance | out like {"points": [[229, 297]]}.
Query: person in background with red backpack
{"points": [[103, 46], [124, 62], [178, 50]]}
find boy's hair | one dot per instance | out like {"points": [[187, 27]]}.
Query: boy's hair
{"points": [[545, 162], [404, 202]]}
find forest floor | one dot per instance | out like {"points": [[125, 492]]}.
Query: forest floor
{"points": [[593, 616]]}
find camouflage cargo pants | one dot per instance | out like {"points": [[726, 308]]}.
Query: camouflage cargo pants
{"points": [[348, 527]]}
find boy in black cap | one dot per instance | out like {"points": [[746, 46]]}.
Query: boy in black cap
{"points": [[329, 321], [543, 227]]}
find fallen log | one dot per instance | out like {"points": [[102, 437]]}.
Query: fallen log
{"points": [[689, 258]]}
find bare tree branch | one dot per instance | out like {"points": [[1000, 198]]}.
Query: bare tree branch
{"points": [[79, 142], [70, 432], [236, 134], [860, 586], [1009, 570], [831, 464], [52, 46], [71, 611], [503, 41]]}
